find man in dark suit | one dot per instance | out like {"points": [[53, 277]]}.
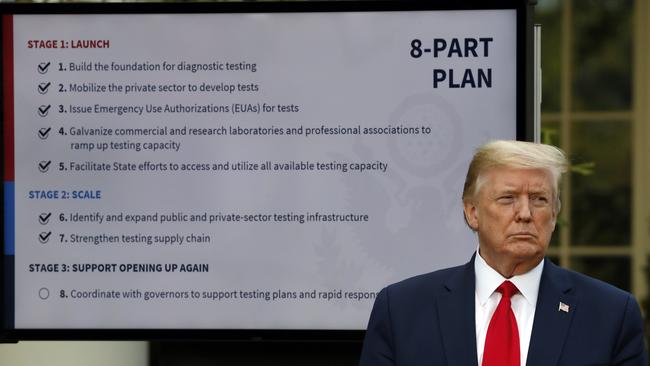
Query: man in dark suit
{"points": [[508, 306]]}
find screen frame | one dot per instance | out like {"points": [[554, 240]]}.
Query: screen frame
{"points": [[524, 126]]}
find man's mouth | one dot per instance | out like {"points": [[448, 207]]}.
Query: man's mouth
{"points": [[523, 235]]}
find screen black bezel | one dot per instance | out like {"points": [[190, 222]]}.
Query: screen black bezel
{"points": [[524, 127]]}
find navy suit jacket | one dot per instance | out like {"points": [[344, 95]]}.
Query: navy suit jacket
{"points": [[430, 320]]}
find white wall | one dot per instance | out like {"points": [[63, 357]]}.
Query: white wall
{"points": [[74, 353]]}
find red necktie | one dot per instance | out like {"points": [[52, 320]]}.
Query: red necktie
{"points": [[502, 340]]}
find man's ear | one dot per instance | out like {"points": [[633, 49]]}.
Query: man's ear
{"points": [[556, 212], [554, 216], [471, 214]]}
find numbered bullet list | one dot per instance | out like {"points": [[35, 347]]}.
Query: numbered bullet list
{"points": [[215, 166]]}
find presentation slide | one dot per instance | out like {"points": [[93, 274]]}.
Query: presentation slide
{"points": [[243, 170]]}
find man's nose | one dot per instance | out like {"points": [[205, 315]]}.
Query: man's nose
{"points": [[523, 210]]}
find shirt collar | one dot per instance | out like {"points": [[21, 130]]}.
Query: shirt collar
{"points": [[488, 279]]}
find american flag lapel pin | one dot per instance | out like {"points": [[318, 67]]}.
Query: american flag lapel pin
{"points": [[563, 307]]}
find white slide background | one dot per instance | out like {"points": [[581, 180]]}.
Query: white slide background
{"points": [[312, 69]]}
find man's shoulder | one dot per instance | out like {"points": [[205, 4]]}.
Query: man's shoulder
{"points": [[585, 286], [427, 282]]}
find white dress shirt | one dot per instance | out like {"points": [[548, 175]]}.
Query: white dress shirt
{"points": [[522, 303]]}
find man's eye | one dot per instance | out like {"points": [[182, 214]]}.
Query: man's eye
{"points": [[540, 200], [505, 199]]}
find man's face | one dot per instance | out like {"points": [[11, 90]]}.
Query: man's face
{"points": [[514, 216]]}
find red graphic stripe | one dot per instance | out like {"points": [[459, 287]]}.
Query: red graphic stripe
{"points": [[8, 94]]}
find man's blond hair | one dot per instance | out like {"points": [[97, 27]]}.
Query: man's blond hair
{"points": [[515, 154]]}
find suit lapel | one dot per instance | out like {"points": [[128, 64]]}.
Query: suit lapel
{"points": [[456, 316], [551, 324]]}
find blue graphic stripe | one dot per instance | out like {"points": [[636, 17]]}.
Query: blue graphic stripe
{"points": [[9, 218], [9, 295]]}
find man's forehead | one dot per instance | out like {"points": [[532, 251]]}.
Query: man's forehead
{"points": [[502, 178]]}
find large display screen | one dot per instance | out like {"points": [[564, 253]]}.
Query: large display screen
{"points": [[241, 167]]}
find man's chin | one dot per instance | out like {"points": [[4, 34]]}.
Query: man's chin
{"points": [[526, 249]]}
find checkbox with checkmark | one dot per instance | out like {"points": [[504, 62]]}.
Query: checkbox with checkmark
{"points": [[43, 110], [44, 237], [44, 218], [44, 166], [44, 133], [43, 67], [44, 87]]}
